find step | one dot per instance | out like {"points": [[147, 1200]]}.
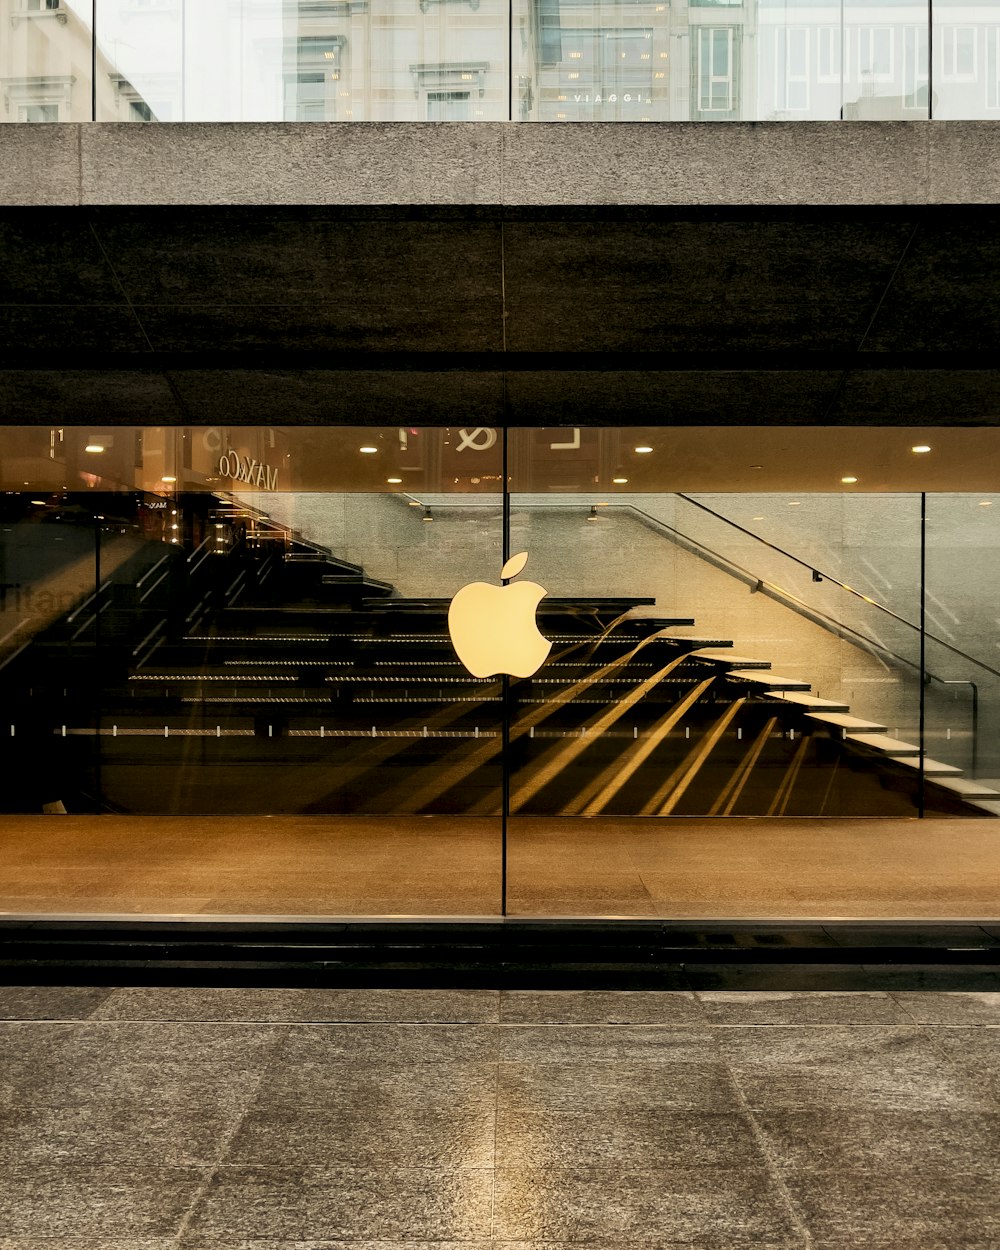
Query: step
{"points": [[932, 768], [966, 788], [813, 703], [724, 657], [853, 724], [771, 681], [883, 743]]}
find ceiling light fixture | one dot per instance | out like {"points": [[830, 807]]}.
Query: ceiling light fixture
{"points": [[920, 448], [394, 481], [167, 478], [849, 481], [428, 515], [643, 451], [368, 451], [593, 513], [94, 448], [619, 481]]}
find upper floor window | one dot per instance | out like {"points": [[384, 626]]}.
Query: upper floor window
{"points": [[715, 69], [958, 53]]}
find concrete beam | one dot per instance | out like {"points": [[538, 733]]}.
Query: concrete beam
{"points": [[502, 163]]}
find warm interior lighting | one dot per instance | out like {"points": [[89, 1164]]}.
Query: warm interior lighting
{"points": [[983, 503], [368, 451], [795, 503], [619, 481], [848, 481], [643, 451], [921, 448], [167, 478], [428, 515], [394, 481], [94, 448]]}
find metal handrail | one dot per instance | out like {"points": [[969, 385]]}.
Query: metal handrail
{"points": [[827, 577]]}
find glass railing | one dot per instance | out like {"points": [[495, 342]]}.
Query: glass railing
{"points": [[498, 60]]}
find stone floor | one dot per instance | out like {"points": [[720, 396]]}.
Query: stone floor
{"points": [[267, 1119]]}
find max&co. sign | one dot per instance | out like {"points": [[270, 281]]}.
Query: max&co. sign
{"points": [[254, 472]]}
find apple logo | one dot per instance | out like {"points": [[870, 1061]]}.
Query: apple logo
{"points": [[493, 627]]}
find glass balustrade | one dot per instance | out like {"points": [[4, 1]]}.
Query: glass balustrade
{"points": [[497, 60]]}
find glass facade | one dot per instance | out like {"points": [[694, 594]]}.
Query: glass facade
{"points": [[497, 60], [288, 657]]}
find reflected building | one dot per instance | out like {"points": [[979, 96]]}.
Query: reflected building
{"points": [[478, 60]]}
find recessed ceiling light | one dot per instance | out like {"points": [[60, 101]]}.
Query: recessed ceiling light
{"points": [[848, 480], [795, 503], [983, 503], [167, 478], [619, 481], [920, 448], [643, 451], [94, 448], [756, 466], [394, 481], [368, 451], [41, 502], [758, 518]]}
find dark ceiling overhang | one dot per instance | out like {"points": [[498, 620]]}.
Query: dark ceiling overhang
{"points": [[555, 316]]}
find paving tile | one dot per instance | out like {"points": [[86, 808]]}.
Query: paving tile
{"points": [[618, 1138], [50, 1002], [576, 1205], [608, 1087], [115, 1129], [870, 1208], [390, 1043], [845, 1066], [340, 1204], [800, 1007], [362, 1135], [98, 1200], [362, 1086], [962, 1008], [883, 1141], [599, 1007], [594, 1043], [430, 1006], [973, 1051]]}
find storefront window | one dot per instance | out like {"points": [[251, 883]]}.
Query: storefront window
{"points": [[276, 670]]}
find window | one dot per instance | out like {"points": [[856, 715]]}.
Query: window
{"points": [[139, 111], [38, 113], [41, 6], [828, 40], [875, 52], [991, 38], [958, 53], [915, 67], [449, 106], [792, 66], [715, 86]]}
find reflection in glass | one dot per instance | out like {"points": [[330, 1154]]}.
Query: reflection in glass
{"points": [[761, 60], [45, 61], [307, 60]]}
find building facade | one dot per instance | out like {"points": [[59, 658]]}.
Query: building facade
{"points": [[276, 390]]}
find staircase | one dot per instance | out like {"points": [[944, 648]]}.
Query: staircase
{"points": [[270, 677]]}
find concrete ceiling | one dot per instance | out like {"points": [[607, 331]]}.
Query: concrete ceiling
{"points": [[480, 316]]}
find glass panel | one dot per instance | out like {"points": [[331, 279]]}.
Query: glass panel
{"points": [[963, 650], [306, 60], [269, 641], [885, 61], [725, 650], [966, 60], [45, 60]]}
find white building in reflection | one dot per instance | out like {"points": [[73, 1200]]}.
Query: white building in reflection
{"points": [[454, 60]]}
